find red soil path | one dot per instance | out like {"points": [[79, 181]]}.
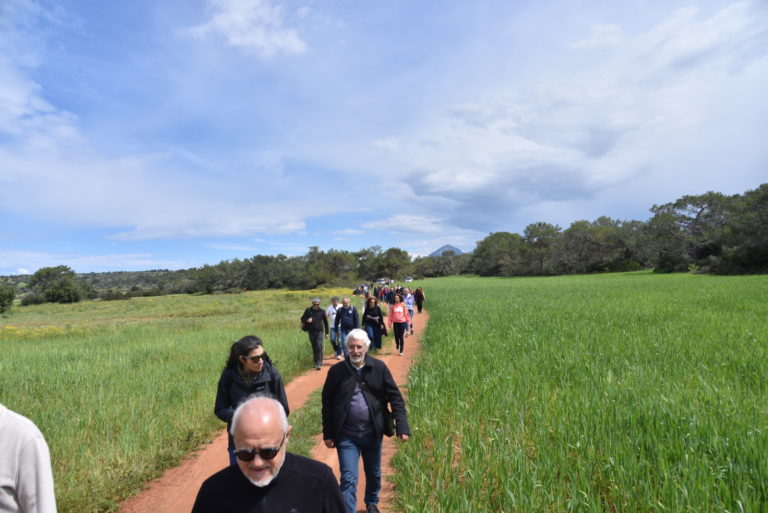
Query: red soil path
{"points": [[175, 491]]}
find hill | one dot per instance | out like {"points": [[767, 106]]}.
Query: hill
{"points": [[441, 251]]}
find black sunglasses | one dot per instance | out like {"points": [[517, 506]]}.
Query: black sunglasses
{"points": [[255, 358], [265, 454]]}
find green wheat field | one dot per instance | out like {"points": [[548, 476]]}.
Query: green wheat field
{"points": [[605, 393]]}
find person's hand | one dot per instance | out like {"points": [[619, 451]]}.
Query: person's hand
{"points": [[326, 335], [403, 437], [329, 444]]}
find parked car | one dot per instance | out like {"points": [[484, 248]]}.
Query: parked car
{"points": [[408, 279]]}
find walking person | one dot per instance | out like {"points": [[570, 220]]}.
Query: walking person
{"points": [[248, 371], [267, 478], [26, 479], [315, 323], [398, 320], [347, 319], [373, 321], [336, 340], [419, 297], [409, 300], [355, 400]]}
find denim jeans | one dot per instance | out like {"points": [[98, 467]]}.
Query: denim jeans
{"points": [[349, 450], [343, 335], [374, 334], [336, 341], [410, 314], [232, 457]]}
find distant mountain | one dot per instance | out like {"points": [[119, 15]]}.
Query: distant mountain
{"points": [[442, 250]]}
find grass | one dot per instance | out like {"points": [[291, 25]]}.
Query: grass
{"points": [[611, 393], [124, 389]]}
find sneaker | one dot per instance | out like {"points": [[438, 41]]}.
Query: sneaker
{"points": [[339, 357], [372, 508], [401, 353], [411, 332], [317, 367]]}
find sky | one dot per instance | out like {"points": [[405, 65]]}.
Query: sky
{"points": [[168, 135]]}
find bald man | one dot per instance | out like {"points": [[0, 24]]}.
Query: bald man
{"points": [[267, 478]]}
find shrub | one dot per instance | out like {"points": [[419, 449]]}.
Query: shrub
{"points": [[7, 294]]}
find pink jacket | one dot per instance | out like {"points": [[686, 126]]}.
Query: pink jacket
{"points": [[398, 313]]}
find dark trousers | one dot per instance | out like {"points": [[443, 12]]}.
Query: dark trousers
{"points": [[399, 329], [316, 341]]}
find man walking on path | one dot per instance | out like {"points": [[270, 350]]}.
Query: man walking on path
{"points": [[267, 478], [355, 398], [347, 319], [316, 324], [336, 340]]}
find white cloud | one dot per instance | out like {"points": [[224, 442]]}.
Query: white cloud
{"points": [[255, 26], [619, 107]]}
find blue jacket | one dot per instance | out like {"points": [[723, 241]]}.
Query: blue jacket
{"points": [[347, 318]]}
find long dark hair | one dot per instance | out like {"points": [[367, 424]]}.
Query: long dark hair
{"points": [[241, 348]]}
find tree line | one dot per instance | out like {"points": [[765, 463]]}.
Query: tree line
{"points": [[711, 232]]}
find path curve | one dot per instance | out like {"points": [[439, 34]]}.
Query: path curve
{"points": [[176, 489]]}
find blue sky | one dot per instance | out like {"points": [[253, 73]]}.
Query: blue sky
{"points": [[151, 135]]}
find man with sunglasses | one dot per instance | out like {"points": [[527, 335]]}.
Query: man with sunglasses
{"points": [[355, 395], [268, 478]]}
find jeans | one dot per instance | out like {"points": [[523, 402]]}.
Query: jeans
{"points": [[374, 333], [410, 314], [232, 457], [399, 329], [343, 334], [316, 340], [349, 450], [336, 341]]}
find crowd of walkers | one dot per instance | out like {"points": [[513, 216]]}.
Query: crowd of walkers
{"points": [[361, 403]]}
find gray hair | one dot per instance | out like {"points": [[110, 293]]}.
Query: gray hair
{"points": [[358, 334], [250, 403]]}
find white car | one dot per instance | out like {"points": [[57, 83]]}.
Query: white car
{"points": [[408, 279]]}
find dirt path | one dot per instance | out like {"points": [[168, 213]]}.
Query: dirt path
{"points": [[175, 491]]}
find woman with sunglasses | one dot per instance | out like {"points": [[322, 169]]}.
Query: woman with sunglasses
{"points": [[248, 371]]}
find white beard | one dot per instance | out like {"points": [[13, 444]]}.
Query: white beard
{"points": [[264, 482]]}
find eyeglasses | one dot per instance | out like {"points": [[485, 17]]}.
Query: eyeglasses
{"points": [[255, 358], [267, 453]]}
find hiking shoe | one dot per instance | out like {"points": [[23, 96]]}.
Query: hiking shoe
{"points": [[411, 332], [372, 508]]}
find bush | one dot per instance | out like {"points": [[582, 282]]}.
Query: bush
{"points": [[33, 297], [64, 290], [7, 294]]}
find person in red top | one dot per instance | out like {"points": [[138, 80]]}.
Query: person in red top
{"points": [[399, 319]]}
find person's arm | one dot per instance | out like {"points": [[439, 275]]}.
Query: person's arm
{"points": [[333, 501], [223, 407], [389, 317], [355, 318], [393, 396], [328, 397], [407, 315], [325, 323], [279, 390], [35, 491]]}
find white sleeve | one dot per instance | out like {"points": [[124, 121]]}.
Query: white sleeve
{"points": [[35, 486]]}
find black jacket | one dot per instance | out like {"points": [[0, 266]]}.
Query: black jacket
{"points": [[373, 316], [340, 386], [232, 391], [302, 484], [319, 319]]}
